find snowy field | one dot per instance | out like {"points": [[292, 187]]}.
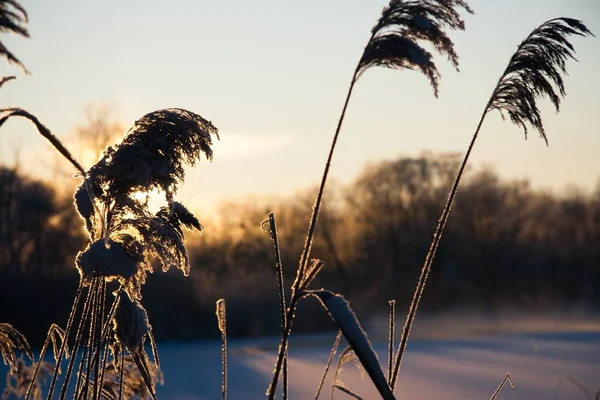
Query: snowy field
{"points": [[445, 360], [540, 365]]}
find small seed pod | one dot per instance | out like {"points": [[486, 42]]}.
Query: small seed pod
{"points": [[130, 323]]}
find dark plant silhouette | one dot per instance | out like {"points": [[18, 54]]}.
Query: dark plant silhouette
{"points": [[151, 156], [534, 71], [12, 341], [13, 19]]}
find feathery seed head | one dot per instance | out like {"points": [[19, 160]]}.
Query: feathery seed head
{"points": [[130, 323], [152, 154], [536, 70], [11, 341], [13, 19], [394, 41]]}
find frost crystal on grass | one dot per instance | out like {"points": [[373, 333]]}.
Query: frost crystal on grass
{"points": [[152, 155], [125, 235], [111, 261]]}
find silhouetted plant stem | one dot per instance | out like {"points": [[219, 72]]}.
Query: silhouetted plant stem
{"points": [[45, 132], [87, 310], [37, 367], [499, 388], [222, 323], [429, 259], [279, 267], [98, 335], [104, 363], [533, 71], [315, 213], [391, 338], [106, 326], [121, 376], [307, 246]]}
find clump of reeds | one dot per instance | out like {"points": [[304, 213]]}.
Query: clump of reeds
{"points": [[395, 42], [124, 238], [534, 71]]}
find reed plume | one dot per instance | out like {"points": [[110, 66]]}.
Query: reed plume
{"points": [[535, 70], [124, 237], [11, 341], [394, 43], [13, 19]]}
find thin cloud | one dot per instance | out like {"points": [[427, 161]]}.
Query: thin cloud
{"points": [[239, 145]]}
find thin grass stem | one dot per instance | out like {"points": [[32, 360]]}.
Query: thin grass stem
{"points": [[499, 388], [87, 310], [429, 260], [121, 375], [37, 366], [222, 323], [64, 343], [282, 300], [306, 250], [98, 334], [334, 348], [391, 338]]}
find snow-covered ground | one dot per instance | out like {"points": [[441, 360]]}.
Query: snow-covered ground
{"points": [[448, 358], [432, 369]]}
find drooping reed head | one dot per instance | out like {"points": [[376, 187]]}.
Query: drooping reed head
{"points": [[536, 70], [152, 155], [11, 341], [13, 19], [403, 23]]}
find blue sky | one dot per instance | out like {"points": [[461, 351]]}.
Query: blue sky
{"points": [[272, 75]]}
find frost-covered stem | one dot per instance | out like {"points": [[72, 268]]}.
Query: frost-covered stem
{"points": [[334, 348], [91, 337], [98, 335], [499, 388], [87, 309], [391, 338], [80, 374], [281, 284], [64, 343], [224, 364], [104, 362], [313, 219], [307, 246], [431, 255], [37, 366], [222, 323], [121, 375], [106, 327]]}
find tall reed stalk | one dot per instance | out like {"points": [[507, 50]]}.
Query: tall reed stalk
{"points": [[535, 70], [393, 44]]}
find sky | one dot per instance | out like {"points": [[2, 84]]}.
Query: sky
{"points": [[272, 76]]}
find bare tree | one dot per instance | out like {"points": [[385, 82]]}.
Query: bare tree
{"points": [[101, 129]]}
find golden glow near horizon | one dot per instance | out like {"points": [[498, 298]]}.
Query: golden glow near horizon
{"points": [[272, 76]]}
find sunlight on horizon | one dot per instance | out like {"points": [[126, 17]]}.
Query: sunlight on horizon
{"points": [[276, 110]]}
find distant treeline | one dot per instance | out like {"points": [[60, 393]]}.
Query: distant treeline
{"points": [[506, 245]]}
